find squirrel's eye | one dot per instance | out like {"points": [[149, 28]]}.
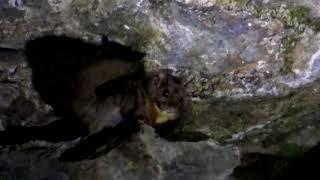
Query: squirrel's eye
{"points": [[165, 93]]}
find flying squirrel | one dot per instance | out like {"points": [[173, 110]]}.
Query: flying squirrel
{"points": [[97, 90], [155, 98]]}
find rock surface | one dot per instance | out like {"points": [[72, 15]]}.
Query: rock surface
{"points": [[255, 70]]}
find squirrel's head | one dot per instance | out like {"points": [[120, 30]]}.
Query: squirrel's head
{"points": [[165, 97]]}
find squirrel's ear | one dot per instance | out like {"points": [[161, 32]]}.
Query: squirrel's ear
{"points": [[187, 82], [161, 75], [104, 39]]}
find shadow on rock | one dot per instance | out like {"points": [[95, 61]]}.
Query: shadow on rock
{"points": [[255, 166]]}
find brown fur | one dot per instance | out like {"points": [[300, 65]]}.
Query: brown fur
{"points": [[165, 100], [94, 112], [149, 101], [101, 84]]}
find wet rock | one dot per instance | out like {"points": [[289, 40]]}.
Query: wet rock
{"points": [[145, 156]]}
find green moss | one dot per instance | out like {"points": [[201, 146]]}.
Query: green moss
{"points": [[288, 115], [147, 33], [203, 89], [293, 19], [139, 35], [297, 15], [236, 3], [258, 11], [288, 44], [241, 2], [220, 134], [299, 12], [292, 150], [81, 3], [295, 104], [196, 108], [301, 15], [130, 166], [239, 123]]}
